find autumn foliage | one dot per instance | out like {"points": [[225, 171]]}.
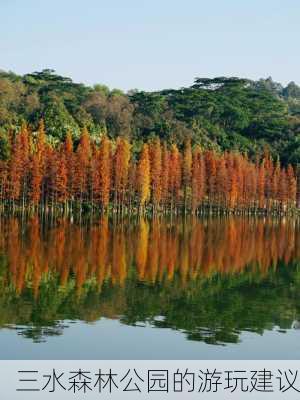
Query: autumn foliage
{"points": [[112, 175]]}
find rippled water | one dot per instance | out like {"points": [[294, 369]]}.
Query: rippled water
{"points": [[171, 289]]}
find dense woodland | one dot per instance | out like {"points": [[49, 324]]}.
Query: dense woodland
{"points": [[222, 144]]}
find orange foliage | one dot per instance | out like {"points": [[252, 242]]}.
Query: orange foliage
{"points": [[159, 177]]}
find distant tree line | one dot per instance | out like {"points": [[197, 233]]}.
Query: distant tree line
{"points": [[221, 114], [160, 177]]}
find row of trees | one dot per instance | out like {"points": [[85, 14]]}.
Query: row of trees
{"points": [[113, 175]]}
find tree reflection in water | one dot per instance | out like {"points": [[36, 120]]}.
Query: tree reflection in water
{"points": [[209, 278]]}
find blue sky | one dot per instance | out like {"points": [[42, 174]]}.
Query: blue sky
{"points": [[152, 44]]}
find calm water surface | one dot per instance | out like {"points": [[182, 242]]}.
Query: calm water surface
{"points": [[182, 289]]}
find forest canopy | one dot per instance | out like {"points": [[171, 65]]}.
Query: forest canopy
{"points": [[218, 114]]}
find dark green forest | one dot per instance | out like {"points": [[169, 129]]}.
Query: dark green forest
{"points": [[220, 113]]}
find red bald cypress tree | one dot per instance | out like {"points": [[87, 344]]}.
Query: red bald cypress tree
{"points": [[175, 176], [121, 165], [211, 173], [198, 179], [155, 153], [143, 177], [105, 171], [291, 186], [165, 176], [187, 173], [81, 168]]}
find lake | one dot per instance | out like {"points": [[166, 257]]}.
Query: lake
{"points": [[188, 288]]}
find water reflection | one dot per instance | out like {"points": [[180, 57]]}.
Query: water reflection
{"points": [[210, 278]]}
